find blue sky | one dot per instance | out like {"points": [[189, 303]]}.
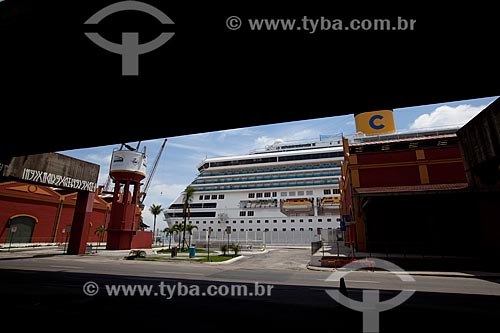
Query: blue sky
{"points": [[177, 165]]}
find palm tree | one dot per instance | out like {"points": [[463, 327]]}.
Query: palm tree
{"points": [[236, 248], [99, 231], [155, 210], [189, 229], [186, 211], [177, 228], [169, 232]]}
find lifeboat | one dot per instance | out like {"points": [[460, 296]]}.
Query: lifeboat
{"points": [[297, 204], [330, 201]]}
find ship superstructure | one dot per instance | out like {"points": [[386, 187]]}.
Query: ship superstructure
{"points": [[284, 194]]}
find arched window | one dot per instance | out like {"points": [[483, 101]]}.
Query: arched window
{"points": [[21, 229]]}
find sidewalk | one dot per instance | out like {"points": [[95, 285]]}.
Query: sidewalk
{"points": [[411, 264], [53, 250], [27, 252]]}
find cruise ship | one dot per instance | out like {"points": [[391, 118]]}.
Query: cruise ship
{"points": [[286, 193]]}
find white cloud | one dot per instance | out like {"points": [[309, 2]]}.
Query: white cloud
{"points": [[196, 147], [99, 158], [302, 134], [298, 134], [447, 116], [262, 141], [103, 178], [227, 134]]}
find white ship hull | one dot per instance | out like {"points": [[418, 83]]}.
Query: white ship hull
{"points": [[275, 197]]}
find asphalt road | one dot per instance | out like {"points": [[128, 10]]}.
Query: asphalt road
{"points": [[262, 292]]}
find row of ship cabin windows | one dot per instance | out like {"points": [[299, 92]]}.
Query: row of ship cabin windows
{"points": [[265, 221], [266, 229], [270, 194]]}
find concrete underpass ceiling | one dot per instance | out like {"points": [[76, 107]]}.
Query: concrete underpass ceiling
{"points": [[63, 92]]}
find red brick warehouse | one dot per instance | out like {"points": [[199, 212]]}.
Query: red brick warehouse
{"points": [[41, 214]]}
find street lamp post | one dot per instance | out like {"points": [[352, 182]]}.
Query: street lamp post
{"points": [[13, 230], [66, 231], [228, 232], [88, 234], [209, 232]]}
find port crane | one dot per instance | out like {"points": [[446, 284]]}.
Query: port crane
{"points": [[147, 182]]}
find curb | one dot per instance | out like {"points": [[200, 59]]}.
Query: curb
{"points": [[229, 261], [477, 275], [318, 268]]}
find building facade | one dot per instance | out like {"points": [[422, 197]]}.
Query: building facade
{"points": [[479, 141], [40, 214], [406, 193]]}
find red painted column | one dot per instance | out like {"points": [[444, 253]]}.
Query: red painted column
{"points": [[128, 169], [81, 222], [122, 225]]}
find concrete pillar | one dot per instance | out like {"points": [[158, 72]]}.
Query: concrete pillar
{"points": [[81, 223]]}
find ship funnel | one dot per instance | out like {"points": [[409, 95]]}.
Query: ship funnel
{"points": [[375, 122]]}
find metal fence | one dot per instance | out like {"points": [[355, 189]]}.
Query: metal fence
{"points": [[256, 238]]}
